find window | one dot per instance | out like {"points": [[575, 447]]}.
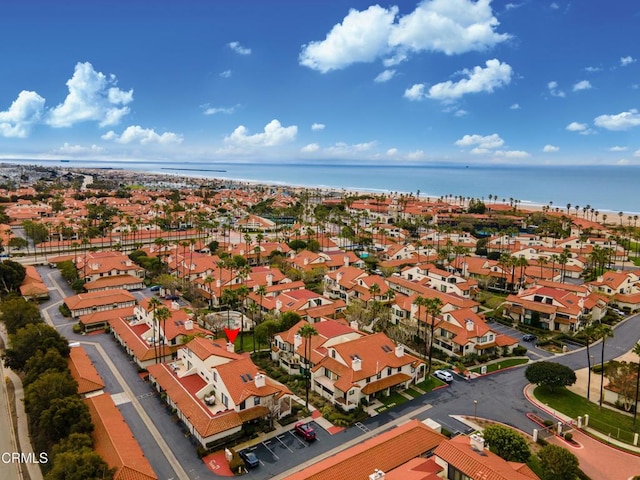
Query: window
{"points": [[256, 400], [389, 371], [243, 405], [215, 376], [225, 400]]}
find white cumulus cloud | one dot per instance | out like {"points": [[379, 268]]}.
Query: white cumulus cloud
{"points": [[143, 136], [415, 92], [69, 149], [550, 148], [617, 148], [239, 49], [445, 26], [312, 147], [448, 26], [515, 106], [511, 153], [581, 128], [385, 76], [582, 85], [620, 121], [317, 126], [208, 110], [480, 142], [392, 152], [624, 61], [226, 74], [636, 153], [93, 96], [274, 134], [24, 112], [342, 148], [361, 37], [554, 90], [495, 75]]}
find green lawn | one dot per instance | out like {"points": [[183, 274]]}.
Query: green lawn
{"points": [[606, 421], [507, 362], [391, 401], [429, 384], [412, 392]]}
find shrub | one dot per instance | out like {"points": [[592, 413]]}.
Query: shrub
{"points": [[519, 351], [64, 310], [568, 436]]}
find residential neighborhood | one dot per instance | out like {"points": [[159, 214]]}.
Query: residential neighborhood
{"points": [[249, 319]]}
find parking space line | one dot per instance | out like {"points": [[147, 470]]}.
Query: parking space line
{"points": [[277, 437], [271, 451], [296, 437], [362, 427]]}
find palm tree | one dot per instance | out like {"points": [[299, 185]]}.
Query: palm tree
{"points": [[153, 305], [433, 307], [636, 350], [306, 332], [161, 314], [420, 302], [590, 334], [603, 332], [542, 261]]}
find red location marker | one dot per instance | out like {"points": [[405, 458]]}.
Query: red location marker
{"points": [[231, 333]]}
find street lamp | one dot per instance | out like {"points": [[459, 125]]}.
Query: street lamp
{"points": [[475, 409]]}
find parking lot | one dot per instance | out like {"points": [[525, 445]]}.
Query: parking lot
{"points": [[534, 352], [286, 450]]}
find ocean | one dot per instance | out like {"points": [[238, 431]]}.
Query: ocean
{"points": [[608, 189]]}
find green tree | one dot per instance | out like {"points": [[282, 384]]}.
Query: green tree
{"points": [[288, 320], [75, 442], [30, 339], [18, 313], [306, 332], [507, 443], [43, 362], [550, 374], [82, 465], [558, 463], [63, 417], [266, 330], [11, 275], [39, 395], [433, 307]]}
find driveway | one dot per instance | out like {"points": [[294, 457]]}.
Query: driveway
{"points": [[533, 351]]}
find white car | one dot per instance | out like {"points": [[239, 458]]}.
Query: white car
{"points": [[443, 375]]}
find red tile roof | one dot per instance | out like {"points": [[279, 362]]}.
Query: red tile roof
{"points": [[115, 442], [384, 452], [83, 371]]}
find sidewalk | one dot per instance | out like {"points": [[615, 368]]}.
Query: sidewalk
{"points": [[597, 459]]}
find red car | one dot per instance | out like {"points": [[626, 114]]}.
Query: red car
{"points": [[305, 431]]}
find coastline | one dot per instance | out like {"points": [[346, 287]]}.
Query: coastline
{"points": [[430, 177]]}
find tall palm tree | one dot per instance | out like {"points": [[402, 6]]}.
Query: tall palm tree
{"points": [[590, 334], [153, 305], [542, 261], [636, 350], [604, 332], [420, 302], [306, 332], [161, 314], [433, 307]]}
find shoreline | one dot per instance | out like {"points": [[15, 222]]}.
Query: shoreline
{"points": [[186, 174]]}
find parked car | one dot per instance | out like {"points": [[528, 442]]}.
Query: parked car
{"points": [[443, 375], [249, 458], [529, 337], [154, 288], [306, 431], [172, 297]]}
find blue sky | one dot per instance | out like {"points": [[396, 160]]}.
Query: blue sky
{"points": [[524, 82]]}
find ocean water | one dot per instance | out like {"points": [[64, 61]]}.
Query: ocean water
{"points": [[604, 188]]}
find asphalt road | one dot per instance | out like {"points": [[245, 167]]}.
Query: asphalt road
{"points": [[499, 397]]}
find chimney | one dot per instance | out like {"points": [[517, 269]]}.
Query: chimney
{"points": [[377, 475], [470, 325], [339, 276], [306, 261], [356, 364], [345, 259], [354, 325], [297, 341], [188, 325], [278, 305], [400, 351], [477, 442], [260, 380], [175, 305], [269, 279], [230, 347], [218, 283], [94, 266]]}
